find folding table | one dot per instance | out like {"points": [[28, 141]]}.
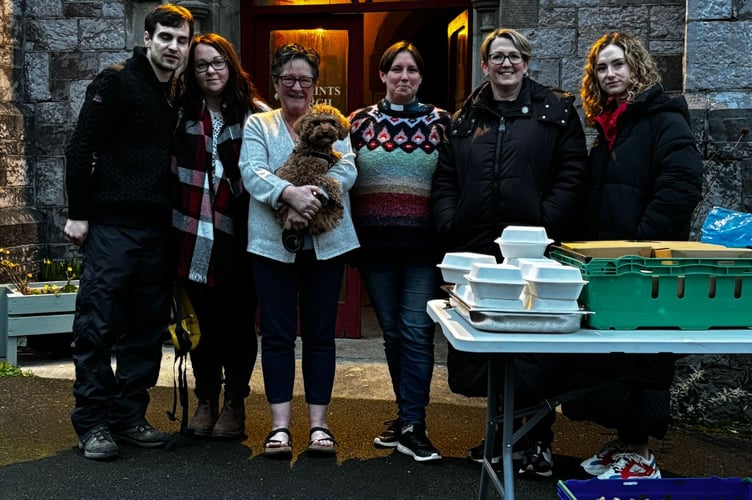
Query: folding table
{"points": [[501, 347]]}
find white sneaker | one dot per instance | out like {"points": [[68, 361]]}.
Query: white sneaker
{"points": [[632, 466], [602, 461]]}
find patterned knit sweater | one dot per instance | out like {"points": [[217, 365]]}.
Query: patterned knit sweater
{"points": [[396, 154]]}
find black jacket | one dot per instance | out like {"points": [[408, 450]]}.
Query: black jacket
{"points": [[118, 158], [648, 185], [525, 168]]}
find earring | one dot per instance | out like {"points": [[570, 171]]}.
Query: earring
{"points": [[276, 96]]}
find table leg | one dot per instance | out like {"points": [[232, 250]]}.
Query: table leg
{"points": [[508, 427], [488, 474]]}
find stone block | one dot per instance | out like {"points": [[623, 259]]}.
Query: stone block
{"points": [[77, 93], [53, 113], [53, 35], [545, 71], [113, 9], [667, 22], [16, 173], [44, 8], [37, 75], [50, 181], [552, 42], [102, 34], [50, 139], [74, 65], [595, 22], [81, 9], [557, 17], [671, 71], [713, 56], [20, 226], [700, 10]]}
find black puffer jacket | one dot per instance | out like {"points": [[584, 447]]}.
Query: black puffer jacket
{"points": [[525, 168], [648, 185]]}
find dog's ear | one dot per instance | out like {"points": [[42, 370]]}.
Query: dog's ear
{"points": [[343, 125]]}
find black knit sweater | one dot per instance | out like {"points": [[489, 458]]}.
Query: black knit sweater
{"points": [[118, 159]]}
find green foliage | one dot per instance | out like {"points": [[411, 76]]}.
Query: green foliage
{"points": [[58, 270], [8, 370]]}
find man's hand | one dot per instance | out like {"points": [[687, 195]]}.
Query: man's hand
{"points": [[77, 230]]}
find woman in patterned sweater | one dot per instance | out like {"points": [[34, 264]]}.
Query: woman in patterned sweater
{"points": [[395, 141]]}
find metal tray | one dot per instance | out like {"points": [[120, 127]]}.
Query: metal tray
{"points": [[519, 321]]}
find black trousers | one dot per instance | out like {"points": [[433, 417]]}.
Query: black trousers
{"points": [[228, 346], [122, 307]]}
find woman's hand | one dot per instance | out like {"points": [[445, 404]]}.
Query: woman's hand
{"points": [[295, 221], [303, 200]]}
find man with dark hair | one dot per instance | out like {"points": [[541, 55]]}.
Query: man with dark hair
{"points": [[117, 166]]}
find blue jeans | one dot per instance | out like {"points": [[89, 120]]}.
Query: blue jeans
{"points": [[399, 290], [310, 287]]}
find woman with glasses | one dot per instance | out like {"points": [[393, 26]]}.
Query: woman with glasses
{"points": [[645, 182], [291, 285], [514, 155], [398, 255], [210, 213]]}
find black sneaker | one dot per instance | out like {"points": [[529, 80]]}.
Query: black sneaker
{"points": [[537, 459], [98, 444], [476, 454], [390, 437], [415, 443], [143, 435]]}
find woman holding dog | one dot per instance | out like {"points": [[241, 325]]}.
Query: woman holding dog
{"points": [[210, 213], [291, 285], [398, 255]]}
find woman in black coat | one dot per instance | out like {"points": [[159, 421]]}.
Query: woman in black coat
{"points": [[645, 179], [515, 154]]}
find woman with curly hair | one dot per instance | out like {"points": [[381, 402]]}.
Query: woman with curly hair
{"points": [[210, 214], [645, 181]]}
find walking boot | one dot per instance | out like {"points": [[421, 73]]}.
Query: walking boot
{"points": [[204, 419], [231, 421]]}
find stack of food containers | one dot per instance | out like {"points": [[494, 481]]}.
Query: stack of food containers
{"points": [[525, 281]]}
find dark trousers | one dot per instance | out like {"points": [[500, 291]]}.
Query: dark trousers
{"points": [[122, 305], [309, 287], [228, 346]]}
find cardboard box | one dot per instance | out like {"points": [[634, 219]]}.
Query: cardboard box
{"points": [[611, 249], [697, 249]]}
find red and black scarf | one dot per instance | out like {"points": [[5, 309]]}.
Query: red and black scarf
{"points": [[208, 212]]}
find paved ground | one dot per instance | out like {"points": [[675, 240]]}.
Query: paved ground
{"points": [[39, 459]]}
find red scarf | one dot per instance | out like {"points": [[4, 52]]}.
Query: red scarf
{"points": [[608, 122]]}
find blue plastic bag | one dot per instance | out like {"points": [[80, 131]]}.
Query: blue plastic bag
{"points": [[728, 228]]}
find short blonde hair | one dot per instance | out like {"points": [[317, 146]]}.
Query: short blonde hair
{"points": [[519, 41]]}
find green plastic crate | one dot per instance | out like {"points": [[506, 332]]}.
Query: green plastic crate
{"points": [[631, 292]]}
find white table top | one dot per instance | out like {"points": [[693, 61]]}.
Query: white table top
{"points": [[464, 337]]}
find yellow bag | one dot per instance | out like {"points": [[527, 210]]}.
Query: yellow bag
{"points": [[184, 328]]}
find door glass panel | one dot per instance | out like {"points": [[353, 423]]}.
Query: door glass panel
{"points": [[332, 46]]}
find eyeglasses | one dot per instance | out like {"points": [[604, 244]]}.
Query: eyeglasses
{"points": [[498, 58], [289, 81], [218, 63]]}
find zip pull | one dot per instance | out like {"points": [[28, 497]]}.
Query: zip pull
{"points": [[502, 126]]}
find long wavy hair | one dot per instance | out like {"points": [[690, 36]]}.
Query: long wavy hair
{"points": [[643, 68], [240, 94]]}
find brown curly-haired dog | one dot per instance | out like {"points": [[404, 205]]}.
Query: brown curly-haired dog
{"points": [[311, 159]]}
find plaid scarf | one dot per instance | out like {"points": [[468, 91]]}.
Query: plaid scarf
{"points": [[208, 211]]}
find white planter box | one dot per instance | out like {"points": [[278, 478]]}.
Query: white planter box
{"points": [[24, 315]]}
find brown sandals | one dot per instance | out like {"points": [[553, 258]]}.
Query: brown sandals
{"points": [[322, 449], [277, 448]]}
